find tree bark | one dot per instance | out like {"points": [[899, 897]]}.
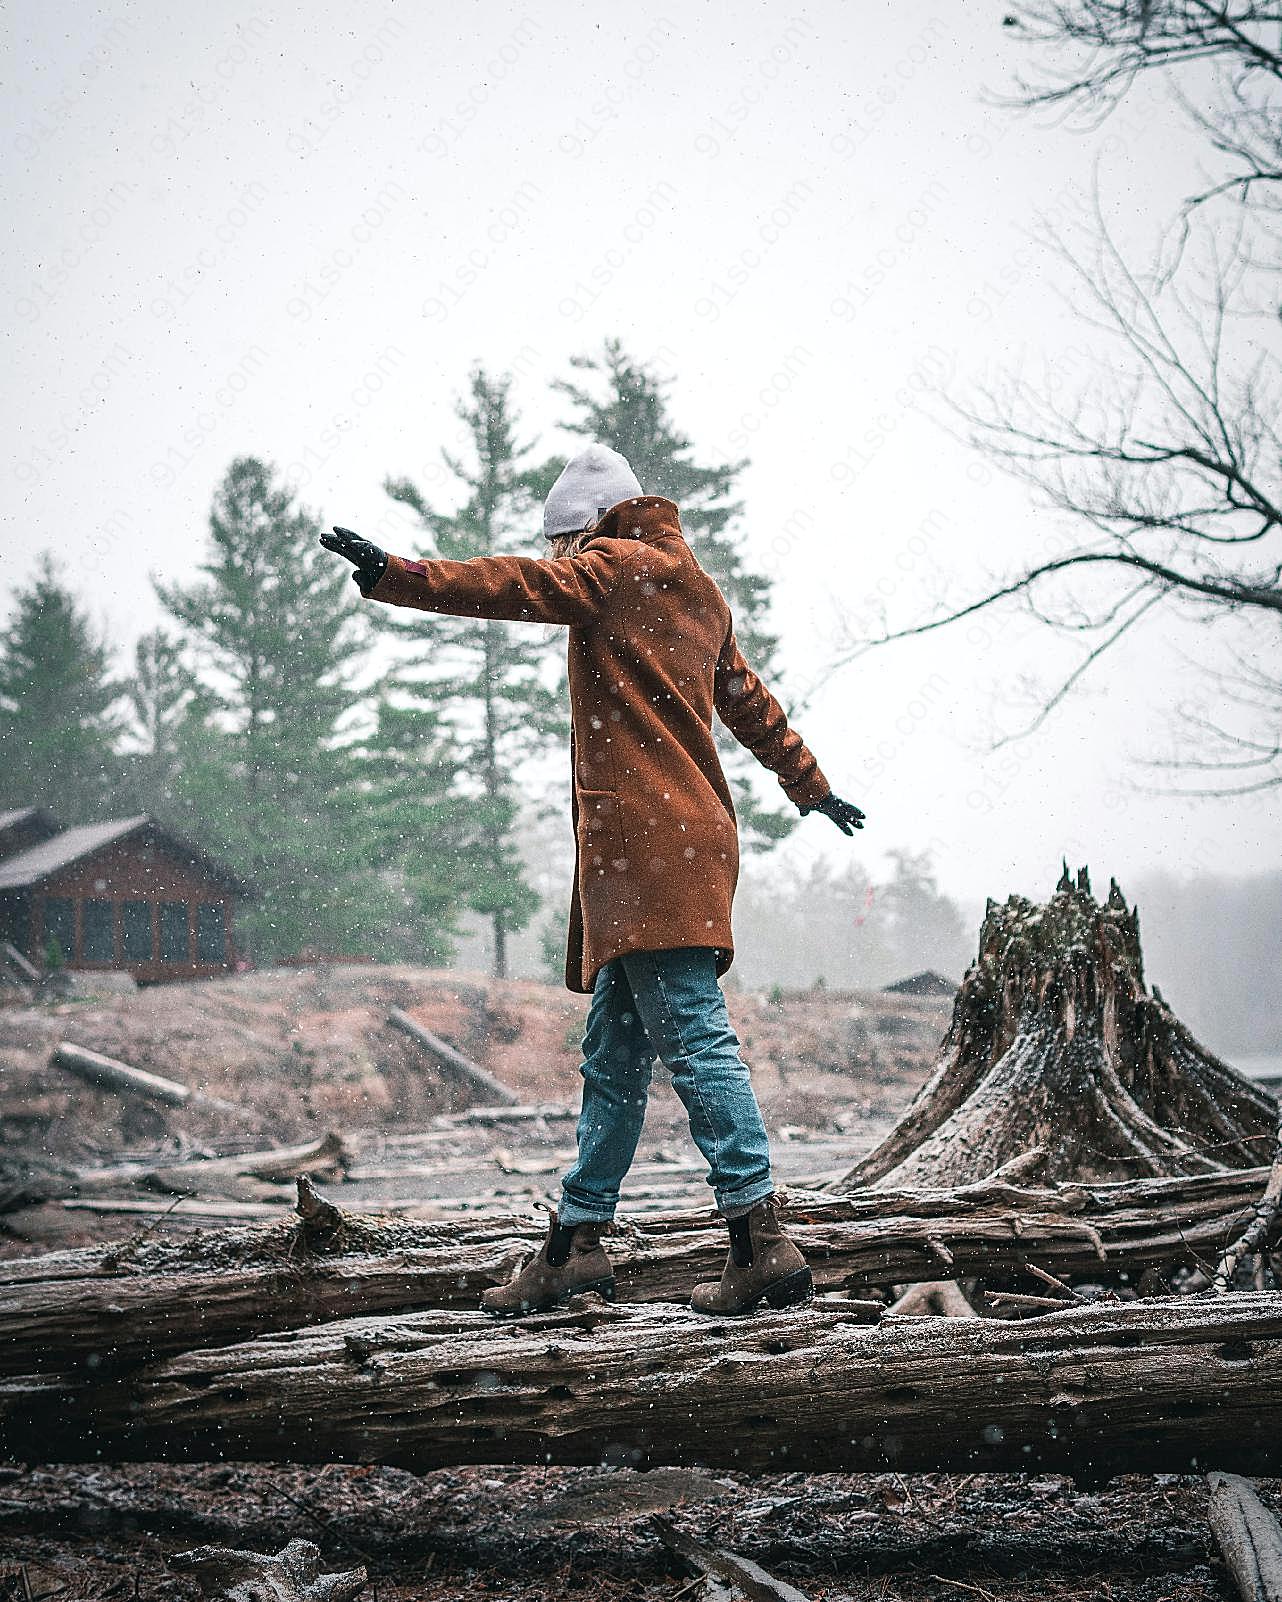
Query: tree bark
{"points": [[1249, 1537], [107, 1309], [1172, 1385], [1057, 1044], [1254, 1237]]}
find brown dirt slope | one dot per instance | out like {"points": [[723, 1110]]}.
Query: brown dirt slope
{"points": [[301, 1049]]}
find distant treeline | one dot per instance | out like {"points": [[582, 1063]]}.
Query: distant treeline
{"points": [[1212, 945]]}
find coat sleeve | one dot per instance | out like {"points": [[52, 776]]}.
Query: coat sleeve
{"points": [[521, 589], [757, 721]]}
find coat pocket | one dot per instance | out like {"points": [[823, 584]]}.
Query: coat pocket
{"points": [[602, 847]]}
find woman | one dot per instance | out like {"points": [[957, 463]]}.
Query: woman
{"points": [[652, 654]]}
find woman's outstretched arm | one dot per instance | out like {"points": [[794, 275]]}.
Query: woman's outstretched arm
{"points": [[521, 589]]}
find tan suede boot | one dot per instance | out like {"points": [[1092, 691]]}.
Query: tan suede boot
{"points": [[570, 1261], [763, 1264]]}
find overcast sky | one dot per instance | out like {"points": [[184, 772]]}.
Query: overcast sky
{"points": [[290, 230]]}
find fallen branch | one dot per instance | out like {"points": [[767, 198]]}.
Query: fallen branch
{"points": [[1249, 1537], [290, 1575], [1138, 1387], [933, 1298], [105, 1073], [212, 1209], [10, 954], [742, 1573], [1252, 1238], [70, 1308], [453, 1063], [325, 1158], [518, 1113]]}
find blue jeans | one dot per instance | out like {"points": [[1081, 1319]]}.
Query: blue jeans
{"points": [[666, 1004]]}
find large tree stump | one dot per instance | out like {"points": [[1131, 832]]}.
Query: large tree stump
{"points": [[1057, 1047]]}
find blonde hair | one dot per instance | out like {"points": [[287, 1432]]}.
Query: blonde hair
{"points": [[571, 544]]}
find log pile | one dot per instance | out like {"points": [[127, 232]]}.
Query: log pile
{"points": [[111, 1309], [994, 1287]]}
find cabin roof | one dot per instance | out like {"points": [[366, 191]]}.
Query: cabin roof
{"points": [[926, 983], [37, 816], [38, 862]]}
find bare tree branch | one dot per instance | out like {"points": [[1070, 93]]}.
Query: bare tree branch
{"points": [[1093, 51], [1170, 453]]}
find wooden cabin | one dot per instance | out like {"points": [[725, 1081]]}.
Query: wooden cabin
{"points": [[126, 894]]}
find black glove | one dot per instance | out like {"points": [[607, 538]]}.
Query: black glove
{"points": [[848, 818], [370, 562]]}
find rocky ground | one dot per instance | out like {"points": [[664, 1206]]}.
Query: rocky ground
{"points": [[296, 1052]]}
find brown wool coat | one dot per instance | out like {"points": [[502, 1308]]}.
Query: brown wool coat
{"points": [[652, 654]]}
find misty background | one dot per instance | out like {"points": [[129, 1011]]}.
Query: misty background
{"points": [[290, 233]]}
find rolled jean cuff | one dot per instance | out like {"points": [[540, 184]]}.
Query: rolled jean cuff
{"points": [[569, 1212], [735, 1203]]}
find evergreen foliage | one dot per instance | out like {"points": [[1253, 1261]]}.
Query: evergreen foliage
{"points": [[416, 822], [491, 683], [272, 786], [158, 699], [59, 712]]}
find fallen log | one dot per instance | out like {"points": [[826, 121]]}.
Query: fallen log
{"points": [[324, 1158], [106, 1073], [109, 1309], [517, 1113], [1180, 1384], [10, 954], [214, 1209], [453, 1063], [1249, 1537]]}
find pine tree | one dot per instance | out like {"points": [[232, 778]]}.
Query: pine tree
{"points": [[158, 702], [488, 680], [630, 413], [59, 713], [417, 823], [278, 643]]}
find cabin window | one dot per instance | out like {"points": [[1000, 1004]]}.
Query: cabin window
{"points": [[173, 931], [211, 944], [98, 931], [60, 925], [135, 927]]}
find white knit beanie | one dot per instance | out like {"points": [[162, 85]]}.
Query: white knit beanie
{"points": [[590, 484]]}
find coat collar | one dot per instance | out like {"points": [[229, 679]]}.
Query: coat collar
{"points": [[645, 517]]}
